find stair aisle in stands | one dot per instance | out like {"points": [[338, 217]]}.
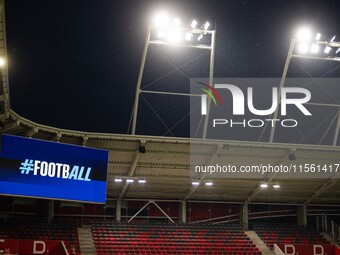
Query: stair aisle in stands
{"points": [[86, 242]]}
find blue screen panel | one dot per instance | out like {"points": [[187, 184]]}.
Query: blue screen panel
{"points": [[36, 168]]}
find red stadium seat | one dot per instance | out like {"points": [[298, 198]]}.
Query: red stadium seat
{"points": [[171, 239]]}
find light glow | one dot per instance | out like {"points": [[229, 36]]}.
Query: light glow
{"points": [[303, 47], [118, 180], [314, 48], [200, 37], [264, 185], [188, 36], [337, 51], [327, 50], [193, 24], [318, 37], [161, 34], [129, 181], [161, 20], [176, 22], [174, 35], [333, 38], [303, 34], [195, 183], [206, 25], [276, 186], [142, 181], [2, 62], [208, 183]]}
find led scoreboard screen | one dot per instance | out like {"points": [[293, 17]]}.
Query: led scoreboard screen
{"points": [[36, 168]]}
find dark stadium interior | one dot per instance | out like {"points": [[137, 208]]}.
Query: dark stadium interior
{"points": [[68, 80]]}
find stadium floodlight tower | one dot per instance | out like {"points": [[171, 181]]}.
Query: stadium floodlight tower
{"points": [[307, 46], [168, 31]]}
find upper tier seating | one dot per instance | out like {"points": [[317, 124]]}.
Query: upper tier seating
{"points": [[272, 233], [111, 238]]}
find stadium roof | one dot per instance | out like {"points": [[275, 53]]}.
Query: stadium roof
{"points": [[165, 165]]}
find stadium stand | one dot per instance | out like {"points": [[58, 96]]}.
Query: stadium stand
{"points": [[287, 234], [112, 238], [26, 228], [163, 164]]}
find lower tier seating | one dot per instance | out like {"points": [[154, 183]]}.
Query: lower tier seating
{"points": [[41, 230], [288, 234], [111, 238]]}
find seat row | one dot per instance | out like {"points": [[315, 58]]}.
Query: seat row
{"points": [[288, 234], [42, 231], [178, 252], [171, 239]]}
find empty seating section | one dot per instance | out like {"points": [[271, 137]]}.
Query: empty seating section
{"points": [[287, 234], [41, 230], [111, 238]]}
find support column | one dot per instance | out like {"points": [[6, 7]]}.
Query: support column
{"points": [[282, 83], [333, 229], [337, 130], [211, 83], [317, 223], [325, 223], [50, 210], [302, 215], [244, 219], [183, 212], [139, 82], [322, 224], [118, 210]]}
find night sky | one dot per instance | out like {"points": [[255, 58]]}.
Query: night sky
{"points": [[74, 63]]}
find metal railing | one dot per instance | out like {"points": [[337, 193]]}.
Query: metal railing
{"points": [[331, 228]]}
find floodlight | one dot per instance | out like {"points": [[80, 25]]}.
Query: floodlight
{"points": [[314, 48], [142, 181], [161, 34], [188, 36], [200, 37], [161, 19], [327, 50], [195, 183], [264, 185], [303, 34], [303, 47], [206, 25], [276, 186], [2, 61], [193, 24], [333, 38], [118, 180], [129, 181], [337, 51], [176, 22], [318, 37], [174, 35], [208, 183]]}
